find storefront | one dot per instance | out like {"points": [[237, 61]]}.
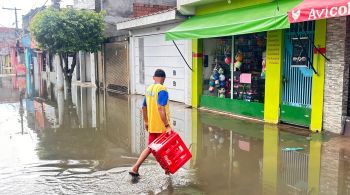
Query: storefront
{"points": [[249, 60], [234, 71]]}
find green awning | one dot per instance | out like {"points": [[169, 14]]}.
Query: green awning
{"points": [[258, 18]]}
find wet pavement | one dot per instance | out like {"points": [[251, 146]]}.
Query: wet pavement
{"points": [[85, 143]]}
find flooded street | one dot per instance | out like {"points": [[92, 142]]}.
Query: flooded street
{"points": [[85, 143]]}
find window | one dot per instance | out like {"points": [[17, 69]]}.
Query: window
{"points": [[234, 67]]}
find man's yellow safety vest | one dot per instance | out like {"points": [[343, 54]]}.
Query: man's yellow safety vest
{"points": [[155, 123]]}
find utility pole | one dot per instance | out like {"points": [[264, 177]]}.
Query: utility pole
{"points": [[16, 31], [14, 9]]}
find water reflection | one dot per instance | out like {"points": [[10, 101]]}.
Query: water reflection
{"points": [[86, 142]]}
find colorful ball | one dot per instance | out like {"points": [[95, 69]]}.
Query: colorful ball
{"points": [[212, 83], [211, 89], [228, 60], [222, 77], [216, 76], [222, 84]]}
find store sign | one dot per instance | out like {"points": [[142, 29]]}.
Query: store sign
{"points": [[274, 45], [299, 55], [319, 9]]}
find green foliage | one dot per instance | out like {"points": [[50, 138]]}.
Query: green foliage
{"points": [[68, 30]]}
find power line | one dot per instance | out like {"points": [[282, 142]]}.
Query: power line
{"points": [[16, 20], [16, 31], [45, 3], [33, 7]]}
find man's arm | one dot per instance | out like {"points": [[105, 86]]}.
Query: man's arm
{"points": [[163, 116], [163, 97], [144, 113]]}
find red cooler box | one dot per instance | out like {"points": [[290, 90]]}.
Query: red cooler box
{"points": [[170, 151]]}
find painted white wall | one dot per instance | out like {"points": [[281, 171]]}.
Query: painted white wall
{"points": [[93, 108], [87, 62], [159, 53], [59, 74], [60, 105], [82, 66], [93, 64]]}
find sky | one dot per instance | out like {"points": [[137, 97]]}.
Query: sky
{"points": [[7, 17]]}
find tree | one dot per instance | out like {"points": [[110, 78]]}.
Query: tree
{"points": [[66, 32]]}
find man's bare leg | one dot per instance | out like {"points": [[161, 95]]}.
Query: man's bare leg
{"points": [[142, 158]]}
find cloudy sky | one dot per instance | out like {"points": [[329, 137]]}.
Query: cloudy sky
{"points": [[7, 17]]}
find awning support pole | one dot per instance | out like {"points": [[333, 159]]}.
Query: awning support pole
{"points": [[182, 56]]}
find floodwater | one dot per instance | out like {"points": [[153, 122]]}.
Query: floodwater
{"points": [[54, 143]]}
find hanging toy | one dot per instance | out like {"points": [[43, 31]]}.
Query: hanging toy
{"points": [[228, 58], [221, 71], [211, 89], [222, 77], [222, 93], [239, 59], [222, 83], [216, 75], [217, 83], [212, 83], [215, 70], [263, 70], [228, 87], [212, 77]]}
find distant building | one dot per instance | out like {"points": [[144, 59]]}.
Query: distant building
{"points": [[84, 4], [7, 41]]}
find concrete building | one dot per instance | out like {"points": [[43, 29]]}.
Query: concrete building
{"points": [[314, 95], [7, 41], [116, 60], [149, 50]]}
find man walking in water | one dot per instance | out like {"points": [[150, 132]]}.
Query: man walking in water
{"points": [[155, 112]]}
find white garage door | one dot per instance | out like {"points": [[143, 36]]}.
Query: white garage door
{"points": [[153, 52]]}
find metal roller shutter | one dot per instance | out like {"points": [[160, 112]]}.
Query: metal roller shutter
{"points": [[117, 71]]}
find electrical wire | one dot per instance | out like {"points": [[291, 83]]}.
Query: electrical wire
{"points": [[182, 56]]}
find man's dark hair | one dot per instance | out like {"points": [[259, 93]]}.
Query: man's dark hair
{"points": [[159, 73]]}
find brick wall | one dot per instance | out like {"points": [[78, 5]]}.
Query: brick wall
{"points": [[347, 71], [336, 75], [140, 9]]}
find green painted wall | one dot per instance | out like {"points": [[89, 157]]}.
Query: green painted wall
{"points": [[224, 5], [239, 107], [295, 115]]}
